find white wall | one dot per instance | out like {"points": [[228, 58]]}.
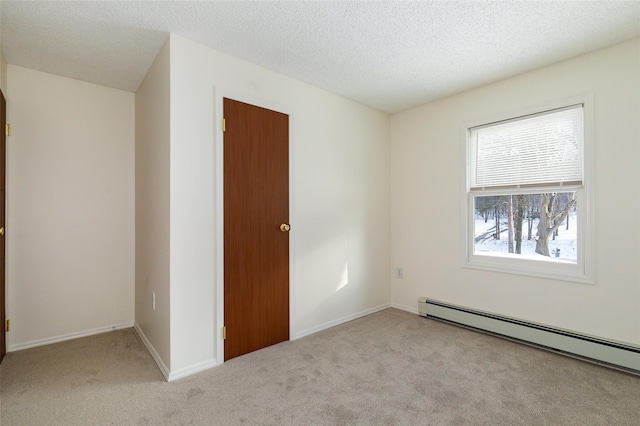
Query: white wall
{"points": [[339, 209], [70, 208], [152, 209], [428, 179]]}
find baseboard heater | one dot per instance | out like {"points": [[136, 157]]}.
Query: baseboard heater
{"points": [[605, 352]]}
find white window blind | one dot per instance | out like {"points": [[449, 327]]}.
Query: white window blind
{"points": [[544, 149]]}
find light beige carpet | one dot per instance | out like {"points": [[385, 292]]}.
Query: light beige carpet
{"points": [[390, 368]]}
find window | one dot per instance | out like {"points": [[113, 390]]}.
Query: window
{"points": [[526, 192]]}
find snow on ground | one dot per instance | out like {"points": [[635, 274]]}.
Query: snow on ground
{"points": [[566, 241]]}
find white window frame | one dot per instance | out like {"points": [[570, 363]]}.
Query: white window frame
{"points": [[581, 271]]}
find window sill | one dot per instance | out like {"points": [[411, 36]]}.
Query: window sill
{"points": [[562, 271]]}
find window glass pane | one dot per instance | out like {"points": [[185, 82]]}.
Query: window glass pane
{"points": [[539, 226]]}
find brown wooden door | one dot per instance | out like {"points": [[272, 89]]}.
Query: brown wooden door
{"points": [[3, 162], [256, 251]]}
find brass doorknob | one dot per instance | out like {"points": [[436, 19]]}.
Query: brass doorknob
{"points": [[285, 227], [1, 230]]}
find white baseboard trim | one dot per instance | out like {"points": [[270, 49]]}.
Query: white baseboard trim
{"points": [[342, 320], [154, 354], [405, 308], [170, 376], [192, 369], [70, 336]]}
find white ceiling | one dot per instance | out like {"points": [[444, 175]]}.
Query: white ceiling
{"points": [[390, 55]]}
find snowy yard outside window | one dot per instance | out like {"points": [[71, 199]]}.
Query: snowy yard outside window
{"points": [[495, 233]]}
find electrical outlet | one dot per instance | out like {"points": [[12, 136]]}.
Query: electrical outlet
{"points": [[153, 300], [399, 273]]}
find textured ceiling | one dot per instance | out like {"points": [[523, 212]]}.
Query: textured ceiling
{"points": [[390, 55]]}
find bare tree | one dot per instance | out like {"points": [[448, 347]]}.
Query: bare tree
{"points": [[485, 207], [532, 201], [552, 214], [519, 219], [510, 223]]}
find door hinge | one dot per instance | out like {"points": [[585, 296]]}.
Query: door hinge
{"points": [[7, 325], [224, 333], [7, 129], [224, 125]]}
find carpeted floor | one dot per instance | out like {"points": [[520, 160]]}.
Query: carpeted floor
{"points": [[390, 368]]}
